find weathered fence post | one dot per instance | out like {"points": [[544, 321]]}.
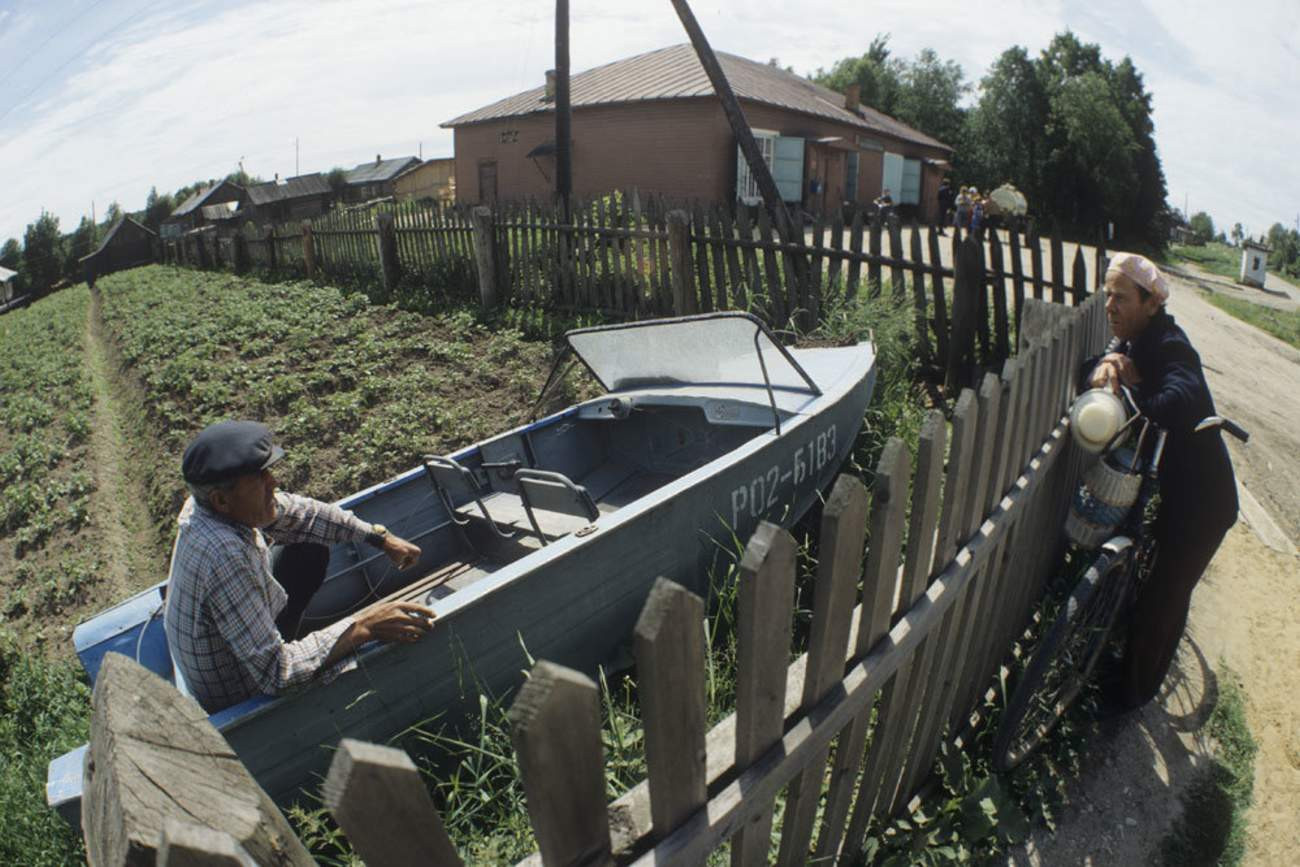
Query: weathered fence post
{"points": [[271, 255], [388, 265], [308, 250], [679, 255], [381, 803], [240, 249], [184, 844], [555, 728], [968, 280], [153, 755], [485, 254], [669, 645]]}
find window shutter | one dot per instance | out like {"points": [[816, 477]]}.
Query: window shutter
{"points": [[891, 177], [787, 168]]}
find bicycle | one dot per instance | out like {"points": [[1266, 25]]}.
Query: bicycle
{"points": [[1071, 646]]}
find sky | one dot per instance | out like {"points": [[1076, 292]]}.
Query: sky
{"points": [[102, 99]]}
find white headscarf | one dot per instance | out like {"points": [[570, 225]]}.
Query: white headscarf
{"points": [[1141, 271]]}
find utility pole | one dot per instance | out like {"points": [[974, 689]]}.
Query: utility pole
{"points": [[295, 156], [563, 134]]}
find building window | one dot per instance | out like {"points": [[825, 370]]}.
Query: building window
{"points": [[746, 186], [851, 176]]}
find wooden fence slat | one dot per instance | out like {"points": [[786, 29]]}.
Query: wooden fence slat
{"points": [[775, 293], [740, 298], [897, 704], [700, 254], [668, 644], [154, 755], [812, 290], [555, 728], [1080, 281], [1002, 338], [918, 299], [1017, 279], [757, 289], [897, 280], [873, 266], [380, 801], [879, 582], [184, 844], [765, 600], [1058, 269], [965, 419], [1036, 262], [843, 529], [941, 343], [980, 280], [641, 282], [835, 273], [724, 298], [855, 247], [967, 287]]}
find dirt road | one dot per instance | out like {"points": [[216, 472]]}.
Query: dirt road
{"points": [[1243, 614]]}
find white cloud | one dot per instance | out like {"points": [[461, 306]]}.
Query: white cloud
{"points": [[174, 94]]}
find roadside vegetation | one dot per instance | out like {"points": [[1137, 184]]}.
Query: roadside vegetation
{"points": [[1212, 256], [1282, 324]]}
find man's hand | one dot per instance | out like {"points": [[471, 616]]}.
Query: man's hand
{"points": [[403, 554], [1112, 371], [406, 622]]}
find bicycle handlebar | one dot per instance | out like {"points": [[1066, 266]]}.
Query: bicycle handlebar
{"points": [[1226, 424]]}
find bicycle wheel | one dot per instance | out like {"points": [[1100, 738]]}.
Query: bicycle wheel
{"points": [[1069, 649]]}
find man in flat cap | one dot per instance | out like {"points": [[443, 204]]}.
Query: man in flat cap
{"points": [[1198, 492], [234, 605]]}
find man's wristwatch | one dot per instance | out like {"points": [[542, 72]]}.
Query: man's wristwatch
{"points": [[377, 536]]}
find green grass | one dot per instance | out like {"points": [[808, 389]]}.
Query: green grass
{"points": [[1212, 829], [1282, 324], [1213, 257]]}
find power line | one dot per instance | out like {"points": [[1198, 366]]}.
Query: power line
{"points": [[76, 55], [62, 27]]}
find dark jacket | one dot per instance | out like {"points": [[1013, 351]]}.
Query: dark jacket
{"points": [[1197, 486]]}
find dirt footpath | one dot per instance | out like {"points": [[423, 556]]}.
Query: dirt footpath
{"points": [[1244, 613]]}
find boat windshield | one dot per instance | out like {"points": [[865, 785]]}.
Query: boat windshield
{"points": [[711, 349]]}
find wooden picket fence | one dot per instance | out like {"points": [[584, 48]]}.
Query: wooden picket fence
{"points": [[959, 555], [633, 255]]}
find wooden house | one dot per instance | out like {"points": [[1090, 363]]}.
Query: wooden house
{"points": [[375, 180], [285, 199], [6, 287], [654, 122], [431, 179], [189, 215], [127, 244]]}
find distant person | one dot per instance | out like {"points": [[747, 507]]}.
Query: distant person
{"points": [[885, 204], [235, 604], [1198, 491], [961, 216], [946, 199], [976, 212]]}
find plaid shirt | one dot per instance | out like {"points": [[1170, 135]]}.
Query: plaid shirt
{"points": [[222, 602]]}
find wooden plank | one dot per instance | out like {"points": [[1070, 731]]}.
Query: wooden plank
{"points": [[966, 288], [941, 342], [765, 600], [897, 277], [654, 281], [855, 247], [752, 271], [873, 266], [740, 298], [643, 249], [153, 755], [880, 582], [843, 528], [980, 280], [775, 293], [1036, 262], [184, 844], [720, 281], [381, 802], [1080, 282], [700, 252], [834, 274], [1017, 279], [555, 728], [1058, 269], [668, 643], [1002, 337], [812, 295], [679, 249], [918, 299], [897, 704]]}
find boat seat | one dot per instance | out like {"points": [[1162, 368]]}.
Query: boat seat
{"points": [[549, 505]]}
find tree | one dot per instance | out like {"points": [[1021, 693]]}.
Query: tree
{"points": [[1238, 234], [1003, 139], [11, 257], [157, 208], [80, 243], [42, 259], [1202, 226], [929, 96], [877, 75], [337, 178]]}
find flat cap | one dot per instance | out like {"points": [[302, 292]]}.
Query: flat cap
{"points": [[227, 450]]}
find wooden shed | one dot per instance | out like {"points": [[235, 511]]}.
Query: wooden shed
{"points": [[126, 245], [189, 214], [297, 198], [431, 179], [375, 180], [653, 122], [1254, 264]]}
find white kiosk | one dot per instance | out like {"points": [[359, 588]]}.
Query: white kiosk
{"points": [[1254, 262]]}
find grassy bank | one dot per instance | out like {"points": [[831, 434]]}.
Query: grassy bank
{"points": [[1282, 324], [1212, 256]]}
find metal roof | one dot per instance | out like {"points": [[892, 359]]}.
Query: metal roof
{"points": [[6, 275], [222, 211], [289, 188], [676, 73], [380, 170], [199, 198], [108, 238]]}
